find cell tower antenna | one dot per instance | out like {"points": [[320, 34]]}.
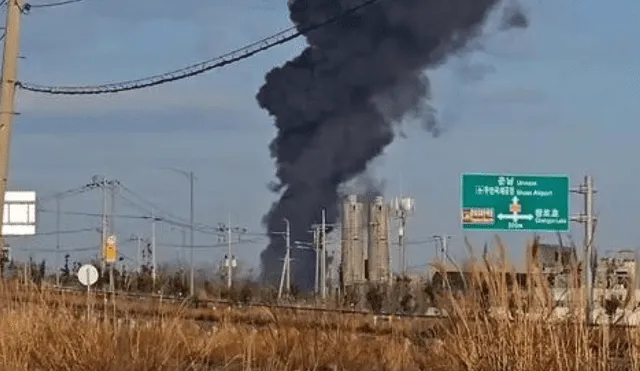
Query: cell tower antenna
{"points": [[403, 207]]}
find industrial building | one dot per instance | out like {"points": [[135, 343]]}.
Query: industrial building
{"points": [[365, 242], [378, 258], [354, 239], [559, 269]]}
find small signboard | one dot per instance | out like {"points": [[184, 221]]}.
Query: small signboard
{"points": [[111, 250], [19, 214], [88, 275]]}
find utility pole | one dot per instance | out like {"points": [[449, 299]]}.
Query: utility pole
{"points": [[153, 250], [112, 209], [323, 267], [192, 284], [320, 238], [105, 227], [230, 260], [229, 266], [8, 94], [587, 190], [283, 273], [139, 254], [316, 248], [286, 264], [58, 240], [288, 242], [111, 219], [191, 177], [138, 240], [442, 252]]}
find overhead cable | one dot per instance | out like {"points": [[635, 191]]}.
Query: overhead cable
{"points": [[211, 246], [234, 56], [97, 215], [70, 231], [53, 4], [70, 249], [69, 193]]}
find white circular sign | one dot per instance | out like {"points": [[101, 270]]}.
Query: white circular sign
{"points": [[88, 275]]}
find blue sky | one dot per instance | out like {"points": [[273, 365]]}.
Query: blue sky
{"points": [[558, 97]]}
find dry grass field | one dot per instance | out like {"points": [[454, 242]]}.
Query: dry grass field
{"points": [[42, 332]]}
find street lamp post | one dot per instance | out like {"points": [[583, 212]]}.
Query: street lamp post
{"points": [[191, 177]]}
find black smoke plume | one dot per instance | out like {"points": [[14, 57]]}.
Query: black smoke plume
{"points": [[335, 105]]}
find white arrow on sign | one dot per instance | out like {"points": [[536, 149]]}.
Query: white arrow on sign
{"points": [[515, 200], [515, 217]]}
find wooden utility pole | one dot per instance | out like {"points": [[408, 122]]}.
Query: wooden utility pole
{"points": [[8, 93]]}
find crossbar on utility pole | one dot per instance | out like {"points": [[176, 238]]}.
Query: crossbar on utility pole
{"points": [[8, 93]]}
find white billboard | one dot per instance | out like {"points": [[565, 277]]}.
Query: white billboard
{"points": [[19, 216]]}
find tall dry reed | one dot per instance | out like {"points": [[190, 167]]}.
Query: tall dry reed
{"points": [[488, 328]]}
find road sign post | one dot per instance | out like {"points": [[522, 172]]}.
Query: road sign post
{"points": [[88, 276], [513, 202]]}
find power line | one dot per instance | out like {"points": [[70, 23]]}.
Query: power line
{"points": [[209, 230], [234, 56], [211, 246], [53, 4], [81, 213], [150, 205], [172, 219], [70, 249], [70, 231], [69, 193]]}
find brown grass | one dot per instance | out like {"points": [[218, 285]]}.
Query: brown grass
{"points": [[47, 333]]}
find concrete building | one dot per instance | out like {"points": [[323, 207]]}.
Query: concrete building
{"points": [[554, 262], [365, 242], [378, 253], [354, 230]]}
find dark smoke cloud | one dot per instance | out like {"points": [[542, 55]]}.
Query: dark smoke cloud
{"points": [[335, 105]]}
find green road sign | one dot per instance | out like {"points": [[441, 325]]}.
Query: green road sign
{"points": [[511, 202]]}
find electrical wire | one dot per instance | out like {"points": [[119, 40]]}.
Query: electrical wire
{"points": [[171, 218], [150, 211], [53, 4], [70, 231], [69, 193], [170, 221], [97, 215], [212, 246], [151, 207], [70, 249], [234, 56]]}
